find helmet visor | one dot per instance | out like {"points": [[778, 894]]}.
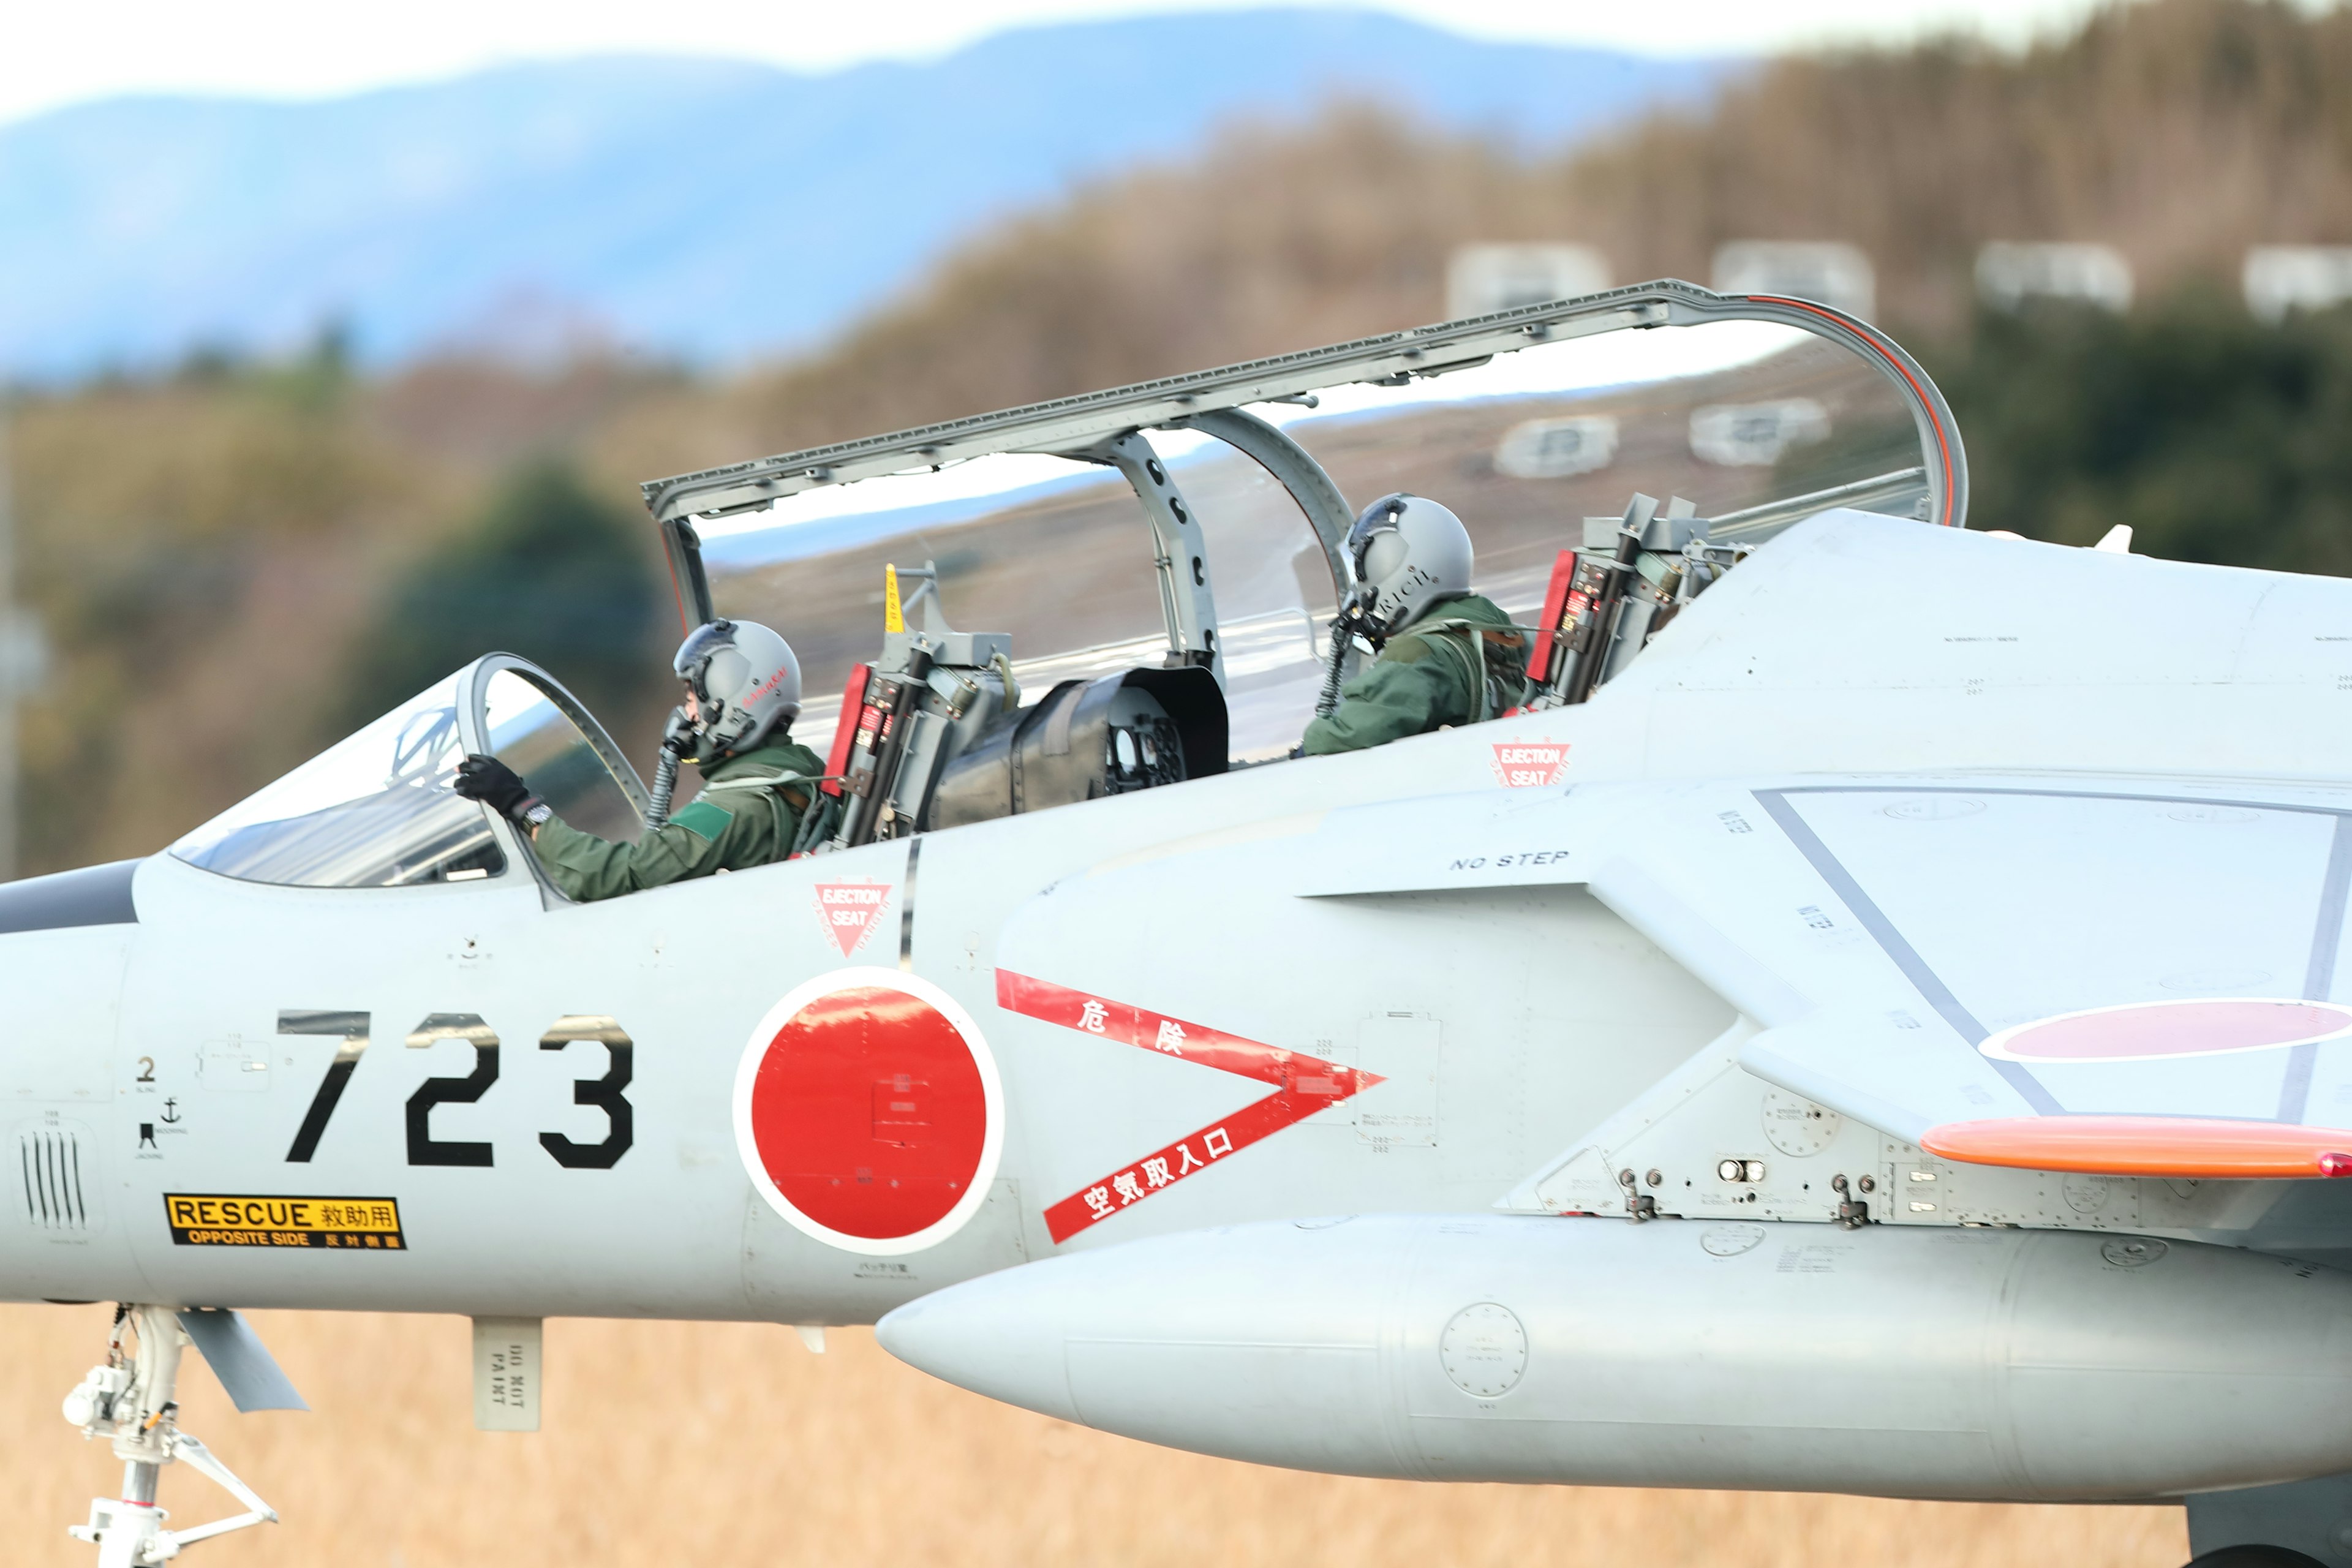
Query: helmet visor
{"points": [[1379, 517], [693, 660]]}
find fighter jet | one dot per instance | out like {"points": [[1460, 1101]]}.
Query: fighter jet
{"points": [[1864, 1020]]}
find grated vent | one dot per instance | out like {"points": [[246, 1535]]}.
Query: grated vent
{"points": [[50, 1161]]}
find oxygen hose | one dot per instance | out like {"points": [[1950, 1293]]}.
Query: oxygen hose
{"points": [[1342, 629], [664, 783], [677, 738]]}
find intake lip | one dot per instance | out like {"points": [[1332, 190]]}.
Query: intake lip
{"points": [[94, 896]]}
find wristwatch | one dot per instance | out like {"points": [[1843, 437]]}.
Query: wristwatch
{"points": [[535, 814]]}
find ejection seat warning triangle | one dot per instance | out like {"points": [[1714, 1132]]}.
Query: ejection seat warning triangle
{"points": [[1526, 765], [851, 912]]}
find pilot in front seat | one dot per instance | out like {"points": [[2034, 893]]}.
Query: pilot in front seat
{"points": [[742, 692], [1446, 655]]}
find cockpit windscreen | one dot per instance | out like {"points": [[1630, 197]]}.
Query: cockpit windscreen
{"points": [[372, 811]]}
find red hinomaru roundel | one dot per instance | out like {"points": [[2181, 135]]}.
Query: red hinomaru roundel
{"points": [[868, 1111], [2155, 1031]]}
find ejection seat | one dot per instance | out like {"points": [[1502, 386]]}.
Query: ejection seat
{"points": [[934, 734]]}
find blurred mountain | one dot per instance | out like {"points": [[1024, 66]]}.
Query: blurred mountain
{"points": [[713, 211], [2178, 132], [2181, 131]]}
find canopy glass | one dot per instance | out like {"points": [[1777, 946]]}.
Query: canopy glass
{"points": [[372, 811], [376, 810], [1741, 420]]}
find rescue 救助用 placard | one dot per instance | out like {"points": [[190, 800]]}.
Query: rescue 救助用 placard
{"points": [[341, 1225]]}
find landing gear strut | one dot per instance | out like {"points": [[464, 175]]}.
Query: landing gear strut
{"points": [[131, 1400]]}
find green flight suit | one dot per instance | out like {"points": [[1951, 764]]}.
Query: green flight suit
{"points": [[747, 815], [1442, 668]]}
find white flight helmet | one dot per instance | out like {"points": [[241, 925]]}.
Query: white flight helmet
{"points": [[745, 680], [1406, 550]]}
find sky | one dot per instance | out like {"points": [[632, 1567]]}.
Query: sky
{"points": [[54, 54]]}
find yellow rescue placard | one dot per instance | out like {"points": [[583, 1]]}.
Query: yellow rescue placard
{"points": [[334, 1225]]}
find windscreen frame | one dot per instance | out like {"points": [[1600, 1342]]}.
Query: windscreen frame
{"points": [[477, 692], [474, 682]]}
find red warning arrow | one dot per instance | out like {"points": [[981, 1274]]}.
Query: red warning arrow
{"points": [[1303, 1084]]}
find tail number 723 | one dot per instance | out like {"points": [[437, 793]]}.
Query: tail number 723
{"points": [[608, 1093]]}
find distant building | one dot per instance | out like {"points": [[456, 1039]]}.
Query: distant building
{"points": [[2283, 277], [2010, 273], [1756, 434], [1838, 276], [1557, 449], [1480, 279]]}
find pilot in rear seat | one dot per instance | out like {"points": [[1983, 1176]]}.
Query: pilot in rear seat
{"points": [[742, 692], [1447, 656]]}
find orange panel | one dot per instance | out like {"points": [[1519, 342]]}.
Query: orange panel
{"points": [[2145, 1146]]}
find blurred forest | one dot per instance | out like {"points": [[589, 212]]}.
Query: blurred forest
{"points": [[237, 561]]}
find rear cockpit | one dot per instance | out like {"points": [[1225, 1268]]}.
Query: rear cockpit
{"points": [[935, 735], [1723, 419]]}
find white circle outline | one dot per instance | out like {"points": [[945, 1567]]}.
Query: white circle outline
{"points": [[992, 1139], [1996, 1045]]}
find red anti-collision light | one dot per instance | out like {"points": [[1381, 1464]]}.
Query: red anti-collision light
{"points": [[2335, 1164]]}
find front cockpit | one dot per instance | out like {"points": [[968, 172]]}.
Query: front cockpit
{"points": [[377, 809]]}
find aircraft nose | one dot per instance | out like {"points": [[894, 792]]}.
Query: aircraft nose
{"points": [[1000, 1335]]}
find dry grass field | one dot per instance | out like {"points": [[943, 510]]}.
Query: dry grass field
{"points": [[731, 1444]]}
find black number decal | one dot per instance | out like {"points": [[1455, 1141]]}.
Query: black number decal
{"points": [[608, 1094], [352, 1029], [146, 1069], [423, 1148], [604, 1093]]}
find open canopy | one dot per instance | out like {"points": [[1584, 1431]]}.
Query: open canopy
{"points": [[1754, 411]]}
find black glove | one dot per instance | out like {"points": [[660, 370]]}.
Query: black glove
{"points": [[496, 786]]}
